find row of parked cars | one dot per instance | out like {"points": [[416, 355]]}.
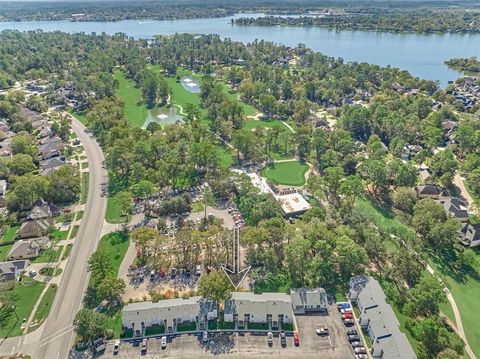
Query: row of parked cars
{"points": [[237, 217], [354, 338]]}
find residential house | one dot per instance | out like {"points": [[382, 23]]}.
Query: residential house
{"points": [[40, 210], [308, 300], [454, 208], [425, 175], [28, 248], [430, 191], [378, 319], [12, 270], [34, 228], [273, 309], [50, 165], [168, 313], [50, 150], [470, 235]]}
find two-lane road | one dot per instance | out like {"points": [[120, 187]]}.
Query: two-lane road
{"points": [[57, 336]]}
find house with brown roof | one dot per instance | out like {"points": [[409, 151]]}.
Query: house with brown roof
{"points": [[431, 191], [34, 228], [28, 248]]}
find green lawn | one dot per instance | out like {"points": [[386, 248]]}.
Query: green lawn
{"points": [[466, 292], [9, 234], [135, 109], [58, 234], [84, 192], [287, 173], [114, 212], [48, 255], [67, 251], [257, 326], [115, 322], [186, 327], [26, 294], [383, 218], [81, 116], [79, 215], [84, 165], [44, 307], [66, 217], [74, 231], [154, 330], [115, 244], [4, 252], [226, 157]]}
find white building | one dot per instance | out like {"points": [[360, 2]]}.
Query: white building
{"points": [[248, 307], [169, 313], [308, 300], [293, 204]]}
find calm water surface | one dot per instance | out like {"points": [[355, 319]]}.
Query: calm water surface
{"points": [[422, 55]]}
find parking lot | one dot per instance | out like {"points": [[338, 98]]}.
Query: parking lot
{"points": [[246, 345]]}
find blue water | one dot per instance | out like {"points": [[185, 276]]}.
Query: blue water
{"points": [[421, 55]]}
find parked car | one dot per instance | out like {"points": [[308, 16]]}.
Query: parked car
{"points": [[152, 276], [283, 339], [205, 337], [354, 338], [163, 342], [162, 273], [116, 347], [362, 356], [323, 331], [346, 310], [270, 338], [347, 316], [360, 350], [198, 270], [341, 306], [349, 322], [32, 273], [99, 345], [352, 332], [144, 346], [356, 344], [173, 273], [296, 339]]}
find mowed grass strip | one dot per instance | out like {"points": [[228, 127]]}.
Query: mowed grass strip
{"points": [[115, 244], [290, 173], [135, 109]]}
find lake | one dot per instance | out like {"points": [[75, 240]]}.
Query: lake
{"points": [[422, 55]]}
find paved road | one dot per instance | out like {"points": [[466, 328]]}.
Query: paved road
{"points": [[57, 336]]}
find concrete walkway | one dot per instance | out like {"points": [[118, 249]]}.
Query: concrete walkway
{"points": [[458, 319]]}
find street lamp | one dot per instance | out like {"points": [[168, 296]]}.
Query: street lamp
{"points": [[14, 311]]}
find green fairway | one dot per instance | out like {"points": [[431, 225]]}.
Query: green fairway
{"points": [[466, 292], [135, 109], [26, 294], [290, 173]]}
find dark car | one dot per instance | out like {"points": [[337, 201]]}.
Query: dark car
{"points": [[283, 339], [349, 322], [354, 338], [352, 332], [173, 273]]}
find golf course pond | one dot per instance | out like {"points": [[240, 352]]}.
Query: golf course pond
{"points": [[191, 84], [163, 116]]}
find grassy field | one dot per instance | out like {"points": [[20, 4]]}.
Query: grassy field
{"points": [[4, 252], [49, 255], [114, 212], [248, 110], [383, 218], [226, 156], [9, 234], [58, 234], [26, 294], [135, 109], [44, 307], [115, 244], [290, 173], [84, 189]]}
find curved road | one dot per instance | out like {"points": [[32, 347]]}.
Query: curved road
{"points": [[57, 336]]}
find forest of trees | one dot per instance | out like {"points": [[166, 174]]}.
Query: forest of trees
{"points": [[467, 65]]}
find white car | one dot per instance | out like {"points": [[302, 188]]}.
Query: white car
{"points": [[116, 347], [32, 273], [205, 337], [163, 342]]}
